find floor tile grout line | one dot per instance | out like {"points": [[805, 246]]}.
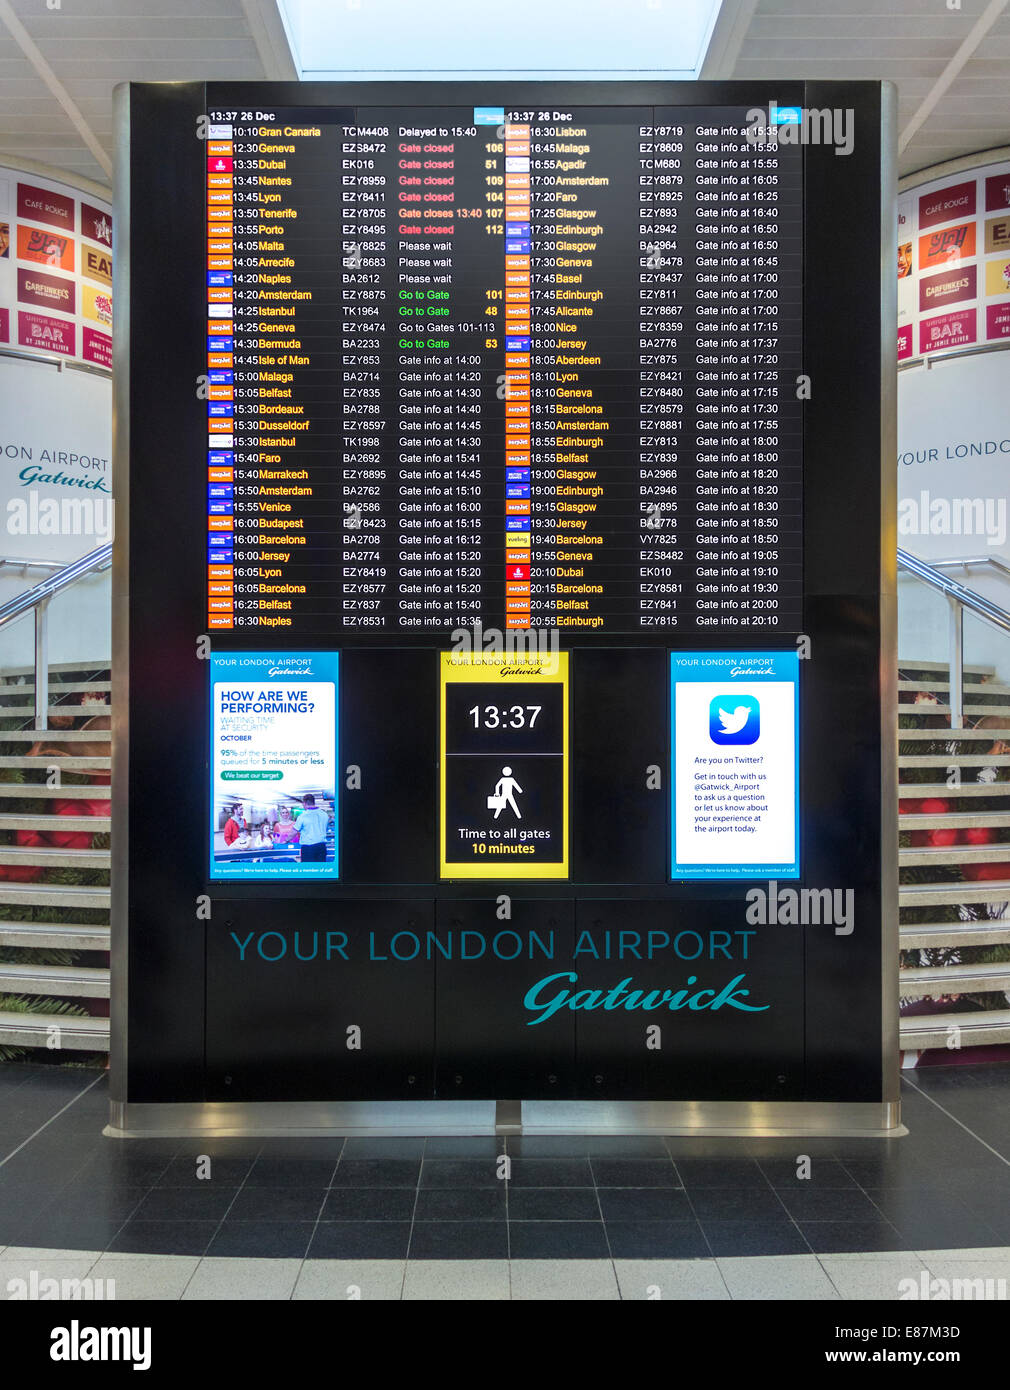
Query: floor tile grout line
{"points": [[210, 1242], [319, 1217], [603, 1220], [968, 1211], [25, 1142], [127, 1219], [701, 1228], [704, 1233], [508, 1222], [827, 1275], [912, 1256], [951, 1116], [722, 1278], [319, 1214], [413, 1219], [799, 1230]]}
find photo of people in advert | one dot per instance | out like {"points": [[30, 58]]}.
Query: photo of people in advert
{"points": [[289, 830]]}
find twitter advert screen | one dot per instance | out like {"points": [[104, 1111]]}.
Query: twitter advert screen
{"points": [[734, 741]]}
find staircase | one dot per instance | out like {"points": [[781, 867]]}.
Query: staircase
{"points": [[54, 928], [954, 859], [950, 921], [954, 827]]}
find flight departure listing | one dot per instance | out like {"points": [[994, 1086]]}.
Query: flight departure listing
{"points": [[517, 367]]}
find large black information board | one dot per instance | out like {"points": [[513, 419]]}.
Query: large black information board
{"points": [[503, 600]]}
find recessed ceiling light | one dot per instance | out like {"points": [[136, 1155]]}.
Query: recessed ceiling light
{"points": [[527, 39]]}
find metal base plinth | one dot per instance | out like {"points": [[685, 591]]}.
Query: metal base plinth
{"points": [[308, 1119]]}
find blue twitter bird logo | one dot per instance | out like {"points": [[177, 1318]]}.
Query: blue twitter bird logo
{"points": [[734, 718]]}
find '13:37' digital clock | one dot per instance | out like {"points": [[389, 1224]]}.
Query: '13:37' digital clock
{"points": [[504, 768]]}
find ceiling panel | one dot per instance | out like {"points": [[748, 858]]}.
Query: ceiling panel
{"points": [[91, 45], [908, 42]]}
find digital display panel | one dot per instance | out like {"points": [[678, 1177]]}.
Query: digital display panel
{"points": [[273, 742], [522, 365], [508, 475], [735, 740], [504, 788]]}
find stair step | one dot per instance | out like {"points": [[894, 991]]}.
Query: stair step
{"points": [[924, 789], [946, 854], [951, 820], [59, 981], [966, 759], [75, 1034], [976, 1029], [56, 691], [55, 895], [918, 981], [933, 894], [57, 735], [944, 666], [977, 687], [34, 790], [73, 764], [68, 936], [55, 858], [62, 666], [96, 824], [923, 735], [931, 935], [922, 711], [79, 711]]}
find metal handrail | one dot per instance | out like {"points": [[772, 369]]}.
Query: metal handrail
{"points": [[970, 561], [930, 360], [959, 598], [52, 359], [31, 564], [37, 599], [98, 559]]}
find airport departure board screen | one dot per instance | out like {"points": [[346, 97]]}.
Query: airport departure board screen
{"points": [[527, 366], [504, 592]]}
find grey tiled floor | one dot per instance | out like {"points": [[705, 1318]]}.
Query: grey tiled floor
{"points": [[851, 1276], [575, 1217]]}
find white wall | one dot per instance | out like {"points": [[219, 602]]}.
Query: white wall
{"points": [[55, 461], [80, 622], [54, 425], [954, 445], [923, 631]]}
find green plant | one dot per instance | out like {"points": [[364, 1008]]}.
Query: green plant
{"points": [[33, 1004]]}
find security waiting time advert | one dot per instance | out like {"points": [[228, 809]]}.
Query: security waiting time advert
{"points": [[274, 761]]}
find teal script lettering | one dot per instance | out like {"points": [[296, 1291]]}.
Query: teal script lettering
{"points": [[623, 996]]}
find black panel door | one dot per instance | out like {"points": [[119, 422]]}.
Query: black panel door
{"points": [[279, 1015]]}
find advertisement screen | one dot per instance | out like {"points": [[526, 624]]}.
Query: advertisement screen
{"points": [[274, 746], [55, 258], [735, 742], [954, 250], [504, 765]]}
